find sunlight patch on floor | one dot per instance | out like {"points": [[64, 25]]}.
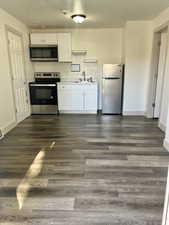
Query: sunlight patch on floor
{"points": [[33, 171], [26, 183]]}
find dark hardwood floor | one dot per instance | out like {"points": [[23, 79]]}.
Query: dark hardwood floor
{"points": [[83, 170]]}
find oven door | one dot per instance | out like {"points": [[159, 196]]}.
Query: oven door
{"points": [[43, 94]]}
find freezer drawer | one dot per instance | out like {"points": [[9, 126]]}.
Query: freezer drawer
{"points": [[112, 95], [110, 70]]}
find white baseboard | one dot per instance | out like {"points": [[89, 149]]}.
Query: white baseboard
{"points": [[8, 127], [148, 115], [162, 127], [134, 113], [166, 144], [77, 112]]}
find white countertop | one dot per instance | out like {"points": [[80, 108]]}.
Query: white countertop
{"points": [[76, 83]]}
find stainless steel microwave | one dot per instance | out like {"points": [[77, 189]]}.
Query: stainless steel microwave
{"points": [[44, 53]]}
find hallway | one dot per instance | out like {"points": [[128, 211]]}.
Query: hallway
{"points": [[83, 170]]}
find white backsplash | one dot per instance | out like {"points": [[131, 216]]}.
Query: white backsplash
{"points": [[91, 69]]}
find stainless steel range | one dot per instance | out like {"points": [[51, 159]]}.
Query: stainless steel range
{"points": [[43, 93]]}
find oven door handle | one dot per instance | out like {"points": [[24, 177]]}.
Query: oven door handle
{"points": [[43, 85]]}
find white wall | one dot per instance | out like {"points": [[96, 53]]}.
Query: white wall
{"points": [[102, 44], [123, 45], [161, 20], [105, 45], [91, 69], [138, 46], [7, 113]]}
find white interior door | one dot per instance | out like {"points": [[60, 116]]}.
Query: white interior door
{"points": [[160, 77], [16, 55]]}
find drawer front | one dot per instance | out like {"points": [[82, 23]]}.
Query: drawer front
{"points": [[70, 87], [90, 87]]}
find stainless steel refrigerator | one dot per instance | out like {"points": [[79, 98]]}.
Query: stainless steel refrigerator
{"points": [[112, 89]]}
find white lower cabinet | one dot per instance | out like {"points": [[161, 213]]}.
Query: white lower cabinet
{"points": [[77, 98], [90, 98], [70, 99]]}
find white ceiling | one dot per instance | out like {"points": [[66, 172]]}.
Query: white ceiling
{"points": [[100, 13]]}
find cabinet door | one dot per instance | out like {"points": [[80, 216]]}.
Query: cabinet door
{"points": [[43, 38], [70, 98], [64, 100], [90, 98], [64, 47], [77, 100]]}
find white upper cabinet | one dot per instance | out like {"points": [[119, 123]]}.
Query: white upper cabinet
{"points": [[62, 40], [44, 39], [64, 47]]}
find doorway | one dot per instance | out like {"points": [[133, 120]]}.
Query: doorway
{"points": [[17, 70], [157, 97]]}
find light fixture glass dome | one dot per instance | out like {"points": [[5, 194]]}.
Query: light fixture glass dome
{"points": [[78, 18]]}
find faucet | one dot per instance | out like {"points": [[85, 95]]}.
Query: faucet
{"points": [[84, 75]]}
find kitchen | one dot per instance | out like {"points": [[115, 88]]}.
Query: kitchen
{"points": [[79, 88], [79, 143]]}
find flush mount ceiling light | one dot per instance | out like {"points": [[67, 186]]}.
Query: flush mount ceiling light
{"points": [[78, 18]]}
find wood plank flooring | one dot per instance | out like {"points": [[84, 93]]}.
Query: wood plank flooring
{"points": [[83, 170]]}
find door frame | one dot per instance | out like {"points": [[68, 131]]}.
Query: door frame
{"points": [[154, 70], [15, 32]]}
